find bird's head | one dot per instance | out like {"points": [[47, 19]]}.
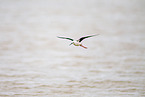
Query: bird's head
{"points": [[71, 43]]}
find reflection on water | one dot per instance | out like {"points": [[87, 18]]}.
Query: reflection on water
{"points": [[34, 62]]}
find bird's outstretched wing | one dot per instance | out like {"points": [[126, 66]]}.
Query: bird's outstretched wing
{"points": [[65, 38], [86, 37]]}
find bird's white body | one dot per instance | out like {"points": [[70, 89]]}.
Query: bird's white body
{"points": [[76, 43]]}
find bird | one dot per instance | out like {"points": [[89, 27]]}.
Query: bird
{"points": [[77, 42]]}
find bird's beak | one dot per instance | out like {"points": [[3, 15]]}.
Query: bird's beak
{"points": [[71, 43]]}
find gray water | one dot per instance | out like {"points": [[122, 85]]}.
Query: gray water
{"points": [[35, 63]]}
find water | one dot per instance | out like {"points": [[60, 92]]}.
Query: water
{"points": [[35, 63]]}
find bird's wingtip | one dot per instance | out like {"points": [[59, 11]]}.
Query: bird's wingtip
{"points": [[96, 34]]}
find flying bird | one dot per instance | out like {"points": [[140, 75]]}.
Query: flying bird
{"points": [[77, 42]]}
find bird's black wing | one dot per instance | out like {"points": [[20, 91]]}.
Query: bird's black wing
{"points": [[65, 38], [86, 37]]}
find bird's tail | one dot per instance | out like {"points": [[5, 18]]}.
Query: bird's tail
{"points": [[83, 46]]}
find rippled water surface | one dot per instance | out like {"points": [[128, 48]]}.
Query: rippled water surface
{"points": [[35, 63]]}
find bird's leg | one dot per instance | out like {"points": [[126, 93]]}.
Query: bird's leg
{"points": [[83, 46]]}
